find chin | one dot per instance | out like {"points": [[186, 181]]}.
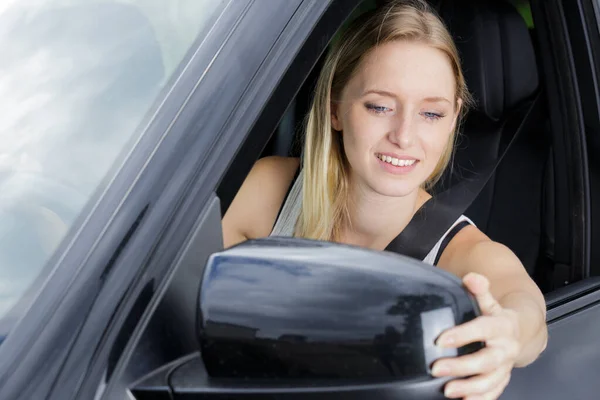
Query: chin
{"points": [[395, 189]]}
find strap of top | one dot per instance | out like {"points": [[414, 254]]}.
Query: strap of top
{"points": [[435, 253], [288, 216]]}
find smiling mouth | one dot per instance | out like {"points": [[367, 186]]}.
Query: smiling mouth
{"points": [[397, 162]]}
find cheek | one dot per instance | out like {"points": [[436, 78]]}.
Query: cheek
{"points": [[363, 129], [356, 131], [435, 140]]}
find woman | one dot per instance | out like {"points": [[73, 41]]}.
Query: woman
{"points": [[380, 132]]}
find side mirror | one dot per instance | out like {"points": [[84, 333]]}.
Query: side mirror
{"points": [[287, 318], [283, 308]]}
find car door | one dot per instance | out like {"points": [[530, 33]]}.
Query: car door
{"points": [[70, 329]]}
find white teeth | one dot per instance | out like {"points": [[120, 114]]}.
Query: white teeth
{"points": [[395, 161]]}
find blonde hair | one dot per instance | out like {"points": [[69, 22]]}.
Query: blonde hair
{"points": [[325, 168]]}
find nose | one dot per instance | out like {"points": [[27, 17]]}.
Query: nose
{"points": [[401, 132]]}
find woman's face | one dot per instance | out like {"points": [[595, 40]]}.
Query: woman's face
{"points": [[396, 116]]}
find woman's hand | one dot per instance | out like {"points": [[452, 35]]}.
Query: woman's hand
{"points": [[488, 369]]}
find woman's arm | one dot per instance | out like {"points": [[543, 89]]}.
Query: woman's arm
{"points": [[254, 209], [510, 285], [513, 323]]}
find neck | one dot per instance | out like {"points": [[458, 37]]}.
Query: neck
{"points": [[375, 220]]}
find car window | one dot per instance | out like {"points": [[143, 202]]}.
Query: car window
{"points": [[76, 79]]}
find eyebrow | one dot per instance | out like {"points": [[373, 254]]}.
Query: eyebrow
{"points": [[377, 91], [434, 99]]}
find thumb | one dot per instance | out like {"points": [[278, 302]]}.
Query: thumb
{"points": [[479, 286]]}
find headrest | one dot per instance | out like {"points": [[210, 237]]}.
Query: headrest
{"points": [[496, 50]]}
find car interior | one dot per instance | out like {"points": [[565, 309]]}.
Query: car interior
{"points": [[500, 62]]}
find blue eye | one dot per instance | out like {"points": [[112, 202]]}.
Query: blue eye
{"points": [[377, 109], [432, 115]]}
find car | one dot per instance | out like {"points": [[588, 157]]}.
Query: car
{"points": [[127, 128]]}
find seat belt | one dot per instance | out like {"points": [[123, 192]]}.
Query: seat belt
{"points": [[437, 215]]}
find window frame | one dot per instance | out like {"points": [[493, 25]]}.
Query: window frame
{"points": [[586, 13], [571, 250]]}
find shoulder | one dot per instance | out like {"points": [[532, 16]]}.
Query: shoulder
{"points": [[279, 169], [256, 205], [269, 180]]}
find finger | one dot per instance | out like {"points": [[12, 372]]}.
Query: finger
{"points": [[479, 329], [493, 394], [479, 286], [483, 361], [482, 385]]}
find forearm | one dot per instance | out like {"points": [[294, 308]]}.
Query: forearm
{"points": [[533, 332]]}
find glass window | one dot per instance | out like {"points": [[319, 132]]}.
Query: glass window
{"points": [[76, 79]]}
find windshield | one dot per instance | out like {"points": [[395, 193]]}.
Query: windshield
{"points": [[76, 79]]}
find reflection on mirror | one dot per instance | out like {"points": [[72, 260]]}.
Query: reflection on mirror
{"points": [[300, 309]]}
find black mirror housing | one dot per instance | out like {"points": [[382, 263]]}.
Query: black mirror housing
{"points": [[293, 309]]}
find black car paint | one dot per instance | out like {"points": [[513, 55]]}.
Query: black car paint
{"points": [[189, 381], [568, 368], [283, 308]]}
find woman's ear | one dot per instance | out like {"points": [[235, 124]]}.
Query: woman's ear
{"points": [[336, 122]]}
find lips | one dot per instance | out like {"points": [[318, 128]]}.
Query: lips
{"points": [[397, 161], [397, 165]]}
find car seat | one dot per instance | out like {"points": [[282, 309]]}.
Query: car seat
{"points": [[500, 68]]}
